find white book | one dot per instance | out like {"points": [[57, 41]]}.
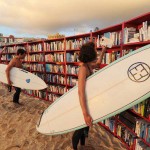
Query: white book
{"points": [[106, 42], [148, 32], [97, 41], [125, 35]]}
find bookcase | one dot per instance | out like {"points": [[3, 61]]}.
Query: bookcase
{"points": [[55, 68], [35, 63], [56, 62], [115, 33], [131, 126], [73, 44]]}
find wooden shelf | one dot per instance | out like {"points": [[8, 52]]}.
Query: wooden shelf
{"points": [[142, 117]]}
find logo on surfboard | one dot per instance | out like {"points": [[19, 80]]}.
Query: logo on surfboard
{"points": [[28, 80], [139, 72]]}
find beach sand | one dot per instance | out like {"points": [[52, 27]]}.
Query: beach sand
{"points": [[18, 128]]}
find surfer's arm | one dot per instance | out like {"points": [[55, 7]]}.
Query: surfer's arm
{"points": [[99, 61], [82, 96], [10, 65]]}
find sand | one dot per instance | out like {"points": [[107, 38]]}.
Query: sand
{"points": [[18, 128]]}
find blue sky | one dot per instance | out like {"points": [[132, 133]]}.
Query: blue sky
{"points": [[36, 18]]}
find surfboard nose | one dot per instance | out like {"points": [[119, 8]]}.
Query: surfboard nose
{"points": [[44, 86], [40, 86]]}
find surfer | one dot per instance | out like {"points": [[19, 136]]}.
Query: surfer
{"points": [[88, 58], [15, 62]]}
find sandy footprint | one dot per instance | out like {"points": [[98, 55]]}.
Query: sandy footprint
{"points": [[4, 126], [31, 132], [7, 106], [26, 143], [16, 147], [10, 133]]}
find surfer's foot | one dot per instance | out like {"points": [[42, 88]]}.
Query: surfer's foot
{"points": [[85, 147], [16, 103], [82, 147]]}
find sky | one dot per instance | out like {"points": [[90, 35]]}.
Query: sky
{"points": [[38, 18]]}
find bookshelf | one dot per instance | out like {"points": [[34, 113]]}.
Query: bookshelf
{"points": [[56, 62], [36, 65], [112, 54], [55, 68], [136, 137], [73, 44]]}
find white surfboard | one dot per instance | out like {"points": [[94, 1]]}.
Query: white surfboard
{"points": [[22, 78], [113, 89]]}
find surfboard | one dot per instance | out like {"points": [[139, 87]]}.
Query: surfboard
{"points": [[22, 78], [113, 89]]}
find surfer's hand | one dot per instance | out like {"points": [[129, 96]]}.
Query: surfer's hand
{"points": [[88, 120], [10, 82], [103, 47]]}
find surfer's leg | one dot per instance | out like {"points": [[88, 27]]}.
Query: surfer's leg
{"points": [[84, 135], [76, 137], [86, 131], [82, 139], [16, 95]]}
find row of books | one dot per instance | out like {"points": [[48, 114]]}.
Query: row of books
{"points": [[35, 47], [35, 93], [56, 89], [132, 34], [143, 130], [76, 43], [40, 75], [5, 57], [125, 135], [36, 57], [110, 123], [71, 81], [52, 97], [9, 57], [72, 57], [40, 94], [137, 125], [72, 69], [53, 68], [128, 119], [140, 145], [12, 49], [143, 108], [144, 31], [54, 46], [114, 36], [57, 79], [55, 57], [110, 57], [37, 67]]}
